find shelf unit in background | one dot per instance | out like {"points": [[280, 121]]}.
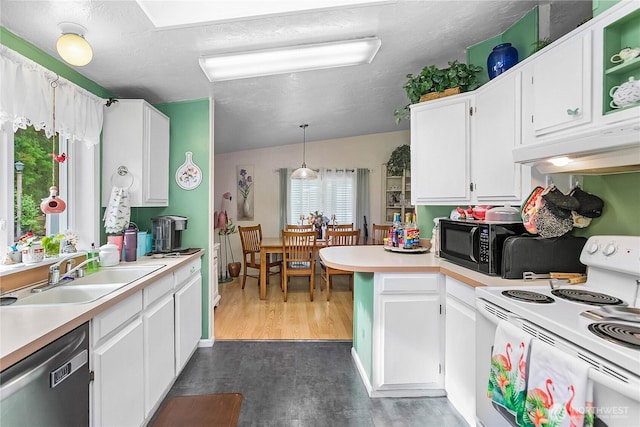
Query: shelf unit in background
{"points": [[624, 32], [396, 195]]}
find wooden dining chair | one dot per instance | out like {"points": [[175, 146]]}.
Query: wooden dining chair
{"points": [[298, 227], [251, 238], [379, 233], [342, 227], [298, 258], [338, 238]]}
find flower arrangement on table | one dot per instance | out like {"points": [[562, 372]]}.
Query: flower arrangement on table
{"points": [[244, 184], [318, 220]]}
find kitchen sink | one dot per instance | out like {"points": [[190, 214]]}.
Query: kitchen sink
{"points": [[119, 274], [68, 294], [88, 288]]}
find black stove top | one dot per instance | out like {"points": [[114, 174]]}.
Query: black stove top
{"points": [[528, 296], [586, 297], [618, 333]]}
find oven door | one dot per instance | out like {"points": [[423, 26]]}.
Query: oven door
{"points": [[459, 243], [616, 392]]}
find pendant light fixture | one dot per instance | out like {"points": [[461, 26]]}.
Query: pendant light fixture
{"points": [[304, 172], [72, 46]]}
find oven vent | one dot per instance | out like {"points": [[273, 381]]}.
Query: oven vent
{"points": [[614, 373], [546, 338], [497, 313], [589, 360]]}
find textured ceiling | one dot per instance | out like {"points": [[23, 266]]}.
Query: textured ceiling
{"points": [[133, 59]]}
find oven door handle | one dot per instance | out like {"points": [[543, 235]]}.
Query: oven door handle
{"points": [[472, 246]]}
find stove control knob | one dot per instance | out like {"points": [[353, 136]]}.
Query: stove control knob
{"points": [[592, 248], [608, 250]]}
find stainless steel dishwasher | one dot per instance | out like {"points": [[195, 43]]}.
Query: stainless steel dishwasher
{"points": [[49, 387]]}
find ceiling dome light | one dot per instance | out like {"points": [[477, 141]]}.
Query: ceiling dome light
{"points": [[71, 45], [304, 172], [560, 161]]}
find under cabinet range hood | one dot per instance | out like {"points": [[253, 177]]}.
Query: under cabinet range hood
{"points": [[602, 151]]}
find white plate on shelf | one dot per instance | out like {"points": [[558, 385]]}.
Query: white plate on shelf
{"points": [[419, 250]]}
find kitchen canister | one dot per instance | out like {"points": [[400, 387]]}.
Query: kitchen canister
{"points": [[626, 94], [109, 255], [501, 58]]}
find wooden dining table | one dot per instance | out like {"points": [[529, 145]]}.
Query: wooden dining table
{"points": [[273, 245]]}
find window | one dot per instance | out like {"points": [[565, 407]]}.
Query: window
{"points": [[35, 171], [333, 193]]}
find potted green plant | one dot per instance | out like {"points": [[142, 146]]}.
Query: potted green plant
{"points": [[399, 161], [433, 80]]}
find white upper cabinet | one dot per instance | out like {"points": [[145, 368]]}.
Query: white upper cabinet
{"points": [[557, 88], [440, 151], [136, 136], [496, 131]]}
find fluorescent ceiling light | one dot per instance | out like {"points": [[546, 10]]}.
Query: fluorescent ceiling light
{"points": [[166, 14], [241, 65]]}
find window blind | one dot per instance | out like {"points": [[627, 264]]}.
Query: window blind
{"points": [[333, 193]]}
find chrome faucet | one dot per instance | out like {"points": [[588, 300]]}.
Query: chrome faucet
{"points": [[54, 271]]}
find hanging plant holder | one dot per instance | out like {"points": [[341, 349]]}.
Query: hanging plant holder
{"points": [[53, 204]]}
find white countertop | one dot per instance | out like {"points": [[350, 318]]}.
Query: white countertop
{"points": [[375, 259], [26, 329]]}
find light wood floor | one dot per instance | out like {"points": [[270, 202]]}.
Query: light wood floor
{"points": [[242, 315]]}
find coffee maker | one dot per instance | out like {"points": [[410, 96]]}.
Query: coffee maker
{"points": [[167, 233]]}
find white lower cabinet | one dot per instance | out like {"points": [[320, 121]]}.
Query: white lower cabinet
{"points": [[140, 346], [117, 360], [188, 306], [158, 321], [407, 335], [460, 338]]}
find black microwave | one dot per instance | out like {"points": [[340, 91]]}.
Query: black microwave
{"points": [[476, 245]]}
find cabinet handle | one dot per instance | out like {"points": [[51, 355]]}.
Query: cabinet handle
{"points": [[573, 112]]}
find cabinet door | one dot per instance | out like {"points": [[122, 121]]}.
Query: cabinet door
{"points": [[188, 320], [156, 158], [557, 92], [460, 352], [496, 124], [118, 387], [440, 151], [159, 354], [408, 334]]}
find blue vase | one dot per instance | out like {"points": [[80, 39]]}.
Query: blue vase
{"points": [[503, 57]]}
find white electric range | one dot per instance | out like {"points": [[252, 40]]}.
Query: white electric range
{"points": [[577, 319]]}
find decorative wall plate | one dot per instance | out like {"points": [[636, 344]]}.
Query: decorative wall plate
{"points": [[188, 175]]}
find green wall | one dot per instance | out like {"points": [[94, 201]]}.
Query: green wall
{"points": [[189, 131], [363, 321], [599, 6], [522, 35], [620, 193]]}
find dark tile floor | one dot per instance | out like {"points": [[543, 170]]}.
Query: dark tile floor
{"points": [[300, 383]]}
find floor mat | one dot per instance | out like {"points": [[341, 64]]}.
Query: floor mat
{"points": [[221, 409]]}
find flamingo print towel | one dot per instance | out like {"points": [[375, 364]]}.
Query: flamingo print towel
{"points": [[507, 378], [559, 391]]}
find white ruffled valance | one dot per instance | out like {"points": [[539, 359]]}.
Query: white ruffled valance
{"points": [[26, 98]]}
